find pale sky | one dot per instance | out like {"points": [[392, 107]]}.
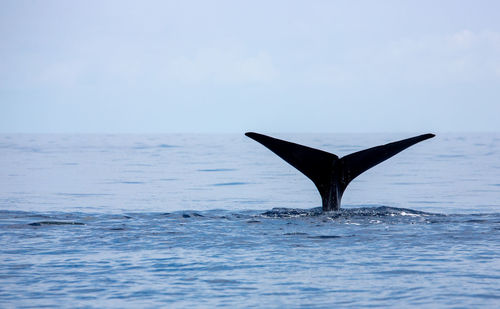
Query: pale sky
{"points": [[233, 66]]}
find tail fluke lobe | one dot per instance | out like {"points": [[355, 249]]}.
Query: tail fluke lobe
{"points": [[314, 163], [356, 163], [330, 174]]}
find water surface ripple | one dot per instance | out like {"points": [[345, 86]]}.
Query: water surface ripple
{"points": [[360, 257], [201, 221]]}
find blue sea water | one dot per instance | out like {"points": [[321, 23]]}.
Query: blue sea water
{"points": [[192, 220]]}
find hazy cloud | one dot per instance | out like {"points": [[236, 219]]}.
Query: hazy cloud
{"points": [[221, 67], [462, 56]]}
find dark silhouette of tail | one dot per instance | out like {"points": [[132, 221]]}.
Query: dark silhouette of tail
{"points": [[330, 174]]}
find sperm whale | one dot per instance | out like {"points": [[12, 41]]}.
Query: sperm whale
{"points": [[328, 172]]}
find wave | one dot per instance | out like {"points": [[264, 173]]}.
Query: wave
{"points": [[355, 216], [380, 211]]}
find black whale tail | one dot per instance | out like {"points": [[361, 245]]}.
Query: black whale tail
{"points": [[330, 174]]}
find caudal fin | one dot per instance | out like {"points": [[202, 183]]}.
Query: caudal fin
{"points": [[330, 174]]}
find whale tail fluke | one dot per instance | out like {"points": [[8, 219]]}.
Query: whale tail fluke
{"points": [[330, 174]]}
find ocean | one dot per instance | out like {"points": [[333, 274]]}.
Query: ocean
{"points": [[206, 220]]}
